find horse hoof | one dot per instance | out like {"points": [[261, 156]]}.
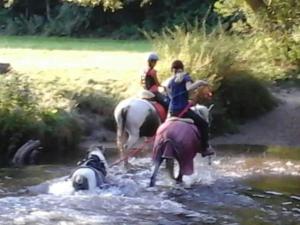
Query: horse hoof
{"points": [[128, 166], [178, 181], [151, 184]]}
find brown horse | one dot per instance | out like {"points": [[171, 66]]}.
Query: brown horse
{"points": [[178, 139]]}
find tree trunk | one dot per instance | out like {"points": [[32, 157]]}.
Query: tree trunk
{"points": [[48, 12], [27, 9]]}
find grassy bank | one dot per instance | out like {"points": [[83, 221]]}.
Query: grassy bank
{"points": [[77, 60], [62, 88]]}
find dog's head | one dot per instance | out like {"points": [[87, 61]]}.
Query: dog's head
{"points": [[97, 150]]}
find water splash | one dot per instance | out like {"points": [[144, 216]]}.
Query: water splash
{"points": [[215, 194]]}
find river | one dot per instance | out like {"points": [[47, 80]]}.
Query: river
{"points": [[244, 185]]}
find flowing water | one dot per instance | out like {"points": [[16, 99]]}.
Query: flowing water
{"points": [[244, 185]]}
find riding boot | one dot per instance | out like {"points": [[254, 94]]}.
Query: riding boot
{"points": [[162, 99]]}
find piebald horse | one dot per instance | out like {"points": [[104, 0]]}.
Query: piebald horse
{"points": [[135, 118]]}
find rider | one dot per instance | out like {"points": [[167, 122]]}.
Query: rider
{"points": [[178, 90], [150, 81]]}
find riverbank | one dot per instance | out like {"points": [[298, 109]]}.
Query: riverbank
{"points": [[61, 90], [280, 127], [65, 90]]}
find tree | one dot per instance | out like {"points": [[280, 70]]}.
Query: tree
{"points": [[111, 4], [264, 14]]}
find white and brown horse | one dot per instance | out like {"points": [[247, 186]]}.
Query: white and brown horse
{"points": [[135, 118]]}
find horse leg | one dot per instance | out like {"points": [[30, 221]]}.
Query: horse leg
{"points": [[179, 178], [121, 136], [170, 167], [155, 171], [132, 140]]}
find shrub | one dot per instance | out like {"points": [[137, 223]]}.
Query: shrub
{"points": [[70, 20], [126, 32], [22, 25], [235, 66], [244, 97], [23, 117]]}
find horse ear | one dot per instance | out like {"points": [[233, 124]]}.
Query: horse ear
{"points": [[211, 107], [101, 148]]}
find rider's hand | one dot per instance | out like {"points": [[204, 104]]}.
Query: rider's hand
{"points": [[198, 83], [201, 82], [162, 89]]}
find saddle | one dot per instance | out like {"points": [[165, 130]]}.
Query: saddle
{"points": [[149, 96]]}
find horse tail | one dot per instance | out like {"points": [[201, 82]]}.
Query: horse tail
{"points": [[124, 118], [121, 120], [166, 149]]}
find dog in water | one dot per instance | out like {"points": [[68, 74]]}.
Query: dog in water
{"points": [[91, 171]]}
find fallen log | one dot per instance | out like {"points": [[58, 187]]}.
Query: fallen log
{"points": [[27, 153], [4, 68]]}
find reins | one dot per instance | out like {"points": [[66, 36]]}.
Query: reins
{"points": [[135, 151]]}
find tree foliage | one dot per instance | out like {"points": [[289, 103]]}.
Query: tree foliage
{"points": [[275, 24], [281, 15], [112, 4], [85, 18]]}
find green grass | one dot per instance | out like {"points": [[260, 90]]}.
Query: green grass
{"points": [[76, 61], [66, 43], [56, 79]]}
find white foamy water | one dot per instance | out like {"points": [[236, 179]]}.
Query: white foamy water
{"points": [[127, 199]]}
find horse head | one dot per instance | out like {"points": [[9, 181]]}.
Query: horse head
{"points": [[202, 94], [203, 111]]}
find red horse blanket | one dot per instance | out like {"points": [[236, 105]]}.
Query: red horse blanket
{"points": [[177, 140]]}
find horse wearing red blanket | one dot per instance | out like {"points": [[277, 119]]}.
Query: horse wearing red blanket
{"points": [[178, 139]]}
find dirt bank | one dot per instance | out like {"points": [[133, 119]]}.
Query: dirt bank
{"points": [[279, 127]]}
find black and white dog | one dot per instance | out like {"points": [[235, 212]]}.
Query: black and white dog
{"points": [[91, 171]]}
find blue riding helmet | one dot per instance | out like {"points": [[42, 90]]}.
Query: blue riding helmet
{"points": [[153, 57]]}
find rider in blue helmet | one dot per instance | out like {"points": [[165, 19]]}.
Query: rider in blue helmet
{"points": [[153, 57]]}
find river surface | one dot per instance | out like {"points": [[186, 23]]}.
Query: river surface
{"points": [[244, 185]]}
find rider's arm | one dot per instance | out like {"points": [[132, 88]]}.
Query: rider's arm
{"points": [[154, 75], [191, 86]]}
